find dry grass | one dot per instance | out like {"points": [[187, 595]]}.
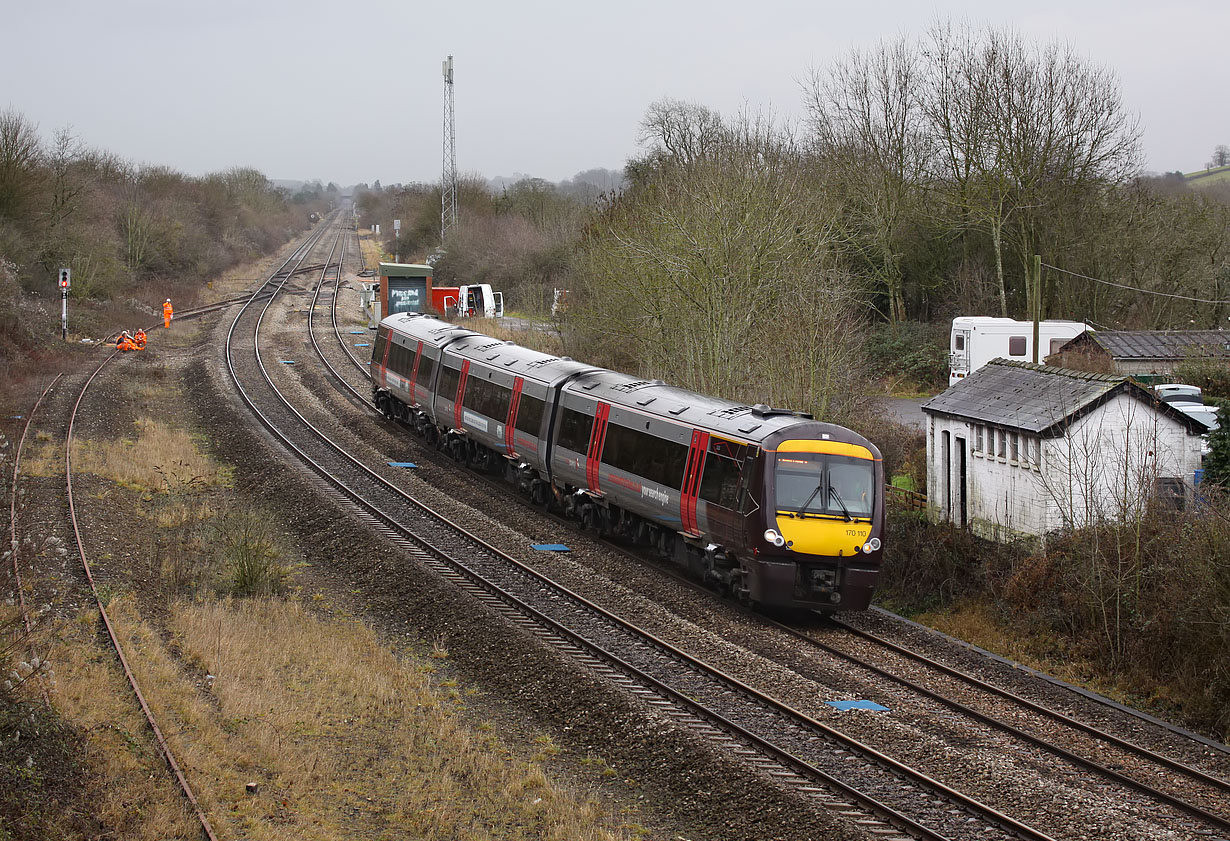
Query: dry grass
{"points": [[344, 739], [158, 457], [545, 341], [370, 248], [978, 623], [134, 791]]}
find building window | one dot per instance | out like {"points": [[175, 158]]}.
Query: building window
{"points": [[978, 439], [1171, 493], [1016, 345], [1002, 452], [1016, 447]]}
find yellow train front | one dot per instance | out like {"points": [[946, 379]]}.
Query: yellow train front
{"points": [[816, 531]]}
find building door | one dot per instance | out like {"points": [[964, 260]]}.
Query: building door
{"points": [[962, 483], [946, 461]]}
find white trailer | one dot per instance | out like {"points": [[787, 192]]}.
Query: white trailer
{"points": [[976, 340]]}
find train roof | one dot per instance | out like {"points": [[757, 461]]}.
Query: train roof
{"points": [[753, 423], [424, 328], [521, 361], [724, 417]]}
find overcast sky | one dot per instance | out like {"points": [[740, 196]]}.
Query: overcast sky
{"points": [[305, 89]]}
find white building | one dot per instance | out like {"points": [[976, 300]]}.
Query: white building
{"points": [[1017, 449]]}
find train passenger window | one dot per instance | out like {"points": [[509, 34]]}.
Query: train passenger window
{"points": [[574, 430], [645, 455], [382, 338], [529, 414], [720, 481], [448, 383], [1016, 345], [397, 359], [426, 365], [486, 397]]}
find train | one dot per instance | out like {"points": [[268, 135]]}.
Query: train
{"points": [[771, 506]]}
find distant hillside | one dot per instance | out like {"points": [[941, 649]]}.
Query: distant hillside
{"points": [[1205, 177]]}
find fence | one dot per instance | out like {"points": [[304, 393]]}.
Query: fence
{"points": [[906, 499]]}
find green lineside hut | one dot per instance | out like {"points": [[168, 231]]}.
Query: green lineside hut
{"points": [[404, 287]]}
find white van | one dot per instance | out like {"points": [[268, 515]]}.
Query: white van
{"points": [[976, 340]]}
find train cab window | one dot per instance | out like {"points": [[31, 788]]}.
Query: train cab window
{"points": [[448, 383], [1016, 345], [426, 366], [824, 484], [720, 481], [959, 342], [485, 397], [574, 430], [382, 338], [529, 414]]}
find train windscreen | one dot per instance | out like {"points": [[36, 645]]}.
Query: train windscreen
{"points": [[825, 485]]}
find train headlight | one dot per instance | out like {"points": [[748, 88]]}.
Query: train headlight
{"points": [[773, 537], [871, 545]]}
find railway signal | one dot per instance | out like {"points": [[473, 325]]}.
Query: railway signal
{"points": [[66, 281]]}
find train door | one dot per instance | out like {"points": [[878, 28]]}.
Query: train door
{"points": [[458, 408], [689, 493], [510, 423], [593, 460]]}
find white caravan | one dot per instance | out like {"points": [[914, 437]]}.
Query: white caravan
{"points": [[976, 340]]}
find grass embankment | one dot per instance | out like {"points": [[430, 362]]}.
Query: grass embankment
{"points": [[343, 736], [1208, 177]]}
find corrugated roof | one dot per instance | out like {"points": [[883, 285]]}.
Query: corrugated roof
{"points": [[1035, 398], [1161, 344]]}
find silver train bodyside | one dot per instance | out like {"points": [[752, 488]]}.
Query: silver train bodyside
{"points": [[692, 476]]}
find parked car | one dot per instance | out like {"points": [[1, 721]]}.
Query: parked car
{"points": [[1179, 393]]}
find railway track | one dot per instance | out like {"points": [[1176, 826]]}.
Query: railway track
{"points": [[785, 744], [164, 748], [15, 544], [1195, 793]]}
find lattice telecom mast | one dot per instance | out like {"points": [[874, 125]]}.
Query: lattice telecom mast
{"points": [[448, 185]]}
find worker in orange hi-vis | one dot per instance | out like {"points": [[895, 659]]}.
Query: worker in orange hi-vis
{"points": [[166, 313], [139, 339]]}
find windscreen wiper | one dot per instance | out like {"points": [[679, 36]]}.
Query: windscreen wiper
{"points": [[833, 494], [807, 501]]}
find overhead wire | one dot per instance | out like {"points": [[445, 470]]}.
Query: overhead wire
{"points": [[1135, 288]]}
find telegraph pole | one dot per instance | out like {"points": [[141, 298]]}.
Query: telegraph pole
{"points": [[448, 184], [1037, 296]]}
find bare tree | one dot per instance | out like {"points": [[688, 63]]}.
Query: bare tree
{"points": [[1024, 133], [682, 131], [729, 249], [20, 158], [866, 122], [1221, 156]]}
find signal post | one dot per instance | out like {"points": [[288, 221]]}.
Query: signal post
{"points": [[66, 280]]}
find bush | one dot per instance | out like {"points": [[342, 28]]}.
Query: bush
{"points": [[250, 555], [910, 356], [1211, 373], [928, 566]]}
